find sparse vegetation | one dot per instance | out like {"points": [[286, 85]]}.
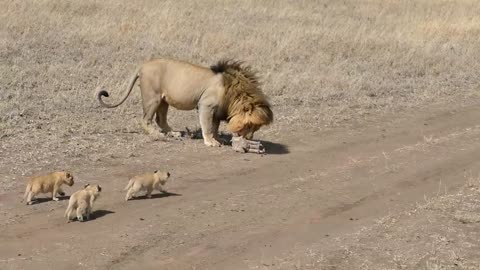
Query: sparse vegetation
{"points": [[321, 63]]}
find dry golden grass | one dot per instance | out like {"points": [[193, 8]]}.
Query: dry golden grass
{"points": [[321, 63]]}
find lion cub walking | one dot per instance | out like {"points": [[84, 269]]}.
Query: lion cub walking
{"points": [[47, 183], [148, 182], [82, 201]]}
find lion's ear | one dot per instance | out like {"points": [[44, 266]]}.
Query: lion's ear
{"points": [[86, 185]]}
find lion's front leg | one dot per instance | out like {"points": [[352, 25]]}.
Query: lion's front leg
{"points": [[208, 126]]}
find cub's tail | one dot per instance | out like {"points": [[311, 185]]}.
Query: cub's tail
{"points": [[130, 184], [27, 190]]}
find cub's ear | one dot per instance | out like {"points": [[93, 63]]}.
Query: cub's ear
{"points": [[99, 188], [168, 174], [86, 185], [155, 171]]}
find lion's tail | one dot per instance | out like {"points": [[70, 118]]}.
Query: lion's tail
{"points": [[104, 93], [130, 184], [27, 190]]}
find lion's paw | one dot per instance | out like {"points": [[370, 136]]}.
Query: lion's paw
{"points": [[212, 143]]}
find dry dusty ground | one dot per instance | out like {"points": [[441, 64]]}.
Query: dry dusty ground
{"points": [[391, 194], [373, 159]]}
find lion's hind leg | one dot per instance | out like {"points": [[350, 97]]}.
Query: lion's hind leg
{"points": [[150, 107], [161, 117]]}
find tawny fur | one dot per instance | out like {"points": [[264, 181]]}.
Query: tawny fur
{"points": [[227, 91], [82, 202], [50, 183], [148, 182]]}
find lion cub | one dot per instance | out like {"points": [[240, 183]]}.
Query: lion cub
{"points": [[148, 182], [47, 183], [82, 201]]}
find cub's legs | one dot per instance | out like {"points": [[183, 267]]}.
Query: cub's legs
{"points": [[83, 210], [129, 195], [60, 191], [30, 197], [70, 209], [159, 188], [80, 212], [132, 191], [149, 192], [89, 211], [54, 193]]}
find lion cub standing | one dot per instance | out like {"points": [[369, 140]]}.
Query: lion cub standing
{"points": [[82, 201], [148, 182], [47, 183]]}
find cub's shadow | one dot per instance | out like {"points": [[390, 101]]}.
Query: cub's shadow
{"points": [[49, 199], [271, 148], [100, 213], [94, 215], [155, 196]]}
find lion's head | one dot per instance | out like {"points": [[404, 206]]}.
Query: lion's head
{"points": [[247, 107]]}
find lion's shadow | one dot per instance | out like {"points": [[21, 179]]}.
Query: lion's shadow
{"points": [[271, 148]]}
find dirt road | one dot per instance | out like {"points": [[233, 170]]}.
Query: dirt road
{"points": [[245, 211]]}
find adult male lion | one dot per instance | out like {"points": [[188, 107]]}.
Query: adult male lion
{"points": [[227, 91]]}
